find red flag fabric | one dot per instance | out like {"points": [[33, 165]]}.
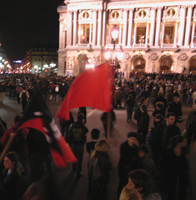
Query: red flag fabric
{"points": [[38, 116], [92, 88], [59, 160]]}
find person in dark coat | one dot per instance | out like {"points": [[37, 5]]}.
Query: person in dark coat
{"points": [[176, 168], [11, 177], [104, 120], [176, 108], [160, 99], [143, 125], [128, 155], [82, 110], [191, 126], [90, 146], [130, 104], [99, 184], [169, 130], [154, 139], [64, 125], [77, 138]]}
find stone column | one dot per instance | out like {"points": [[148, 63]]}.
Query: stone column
{"points": [[158, 27], [104, 28], [99, 28], [61, 34], [182, 25], [75, 28], [120, 35], [176, 33], [130, 27], [188, 25], [135, 33], [69, 29], [163, 33], [147, 31], [94, 27], [79, 35], [193, 34], [152, 28], [90, 34], [124, 43]]}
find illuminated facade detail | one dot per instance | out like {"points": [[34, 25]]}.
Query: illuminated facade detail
{"points": [[159, 34]]}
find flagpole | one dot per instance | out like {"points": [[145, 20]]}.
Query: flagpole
{"points": [[108, 128], [11, 138]]}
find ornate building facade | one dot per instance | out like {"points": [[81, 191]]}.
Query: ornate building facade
{"points": [[154, 36]]}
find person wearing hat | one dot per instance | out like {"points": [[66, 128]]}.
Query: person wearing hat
{"points": [[128, 154]]}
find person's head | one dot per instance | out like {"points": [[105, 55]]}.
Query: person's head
{"points": [[101, 145], [158, 117], [128, 194], [142, 151], [24, 87], [159, 106], [16, 119], [170, 118], [132, 138], [80, 118], [10, 160], [177, 141], [176, 98], [142, 100], [95, 134], [143, 108], [140, 180]]}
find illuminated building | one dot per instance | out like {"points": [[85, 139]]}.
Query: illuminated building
{"points": [[41, 59], [154, 35]]}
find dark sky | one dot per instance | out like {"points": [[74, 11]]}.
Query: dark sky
{"points": [[24, 23]]}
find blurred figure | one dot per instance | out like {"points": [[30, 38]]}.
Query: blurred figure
{"points": [[64, 126], [77, 138], [128, 155], [118, 97], [104, 120], [99, 168], [128, 194], [24, 96], [176, 169], [11, 177], [191, 126], [140, 180]]}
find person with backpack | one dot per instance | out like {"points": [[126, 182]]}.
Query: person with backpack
{"points": [[24, 96], [99, 168], [77, 138]]}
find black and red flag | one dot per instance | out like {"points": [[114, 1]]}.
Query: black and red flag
{"points": [[38, 116]]}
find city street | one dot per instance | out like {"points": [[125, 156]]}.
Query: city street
{"points": [[69, 187]]}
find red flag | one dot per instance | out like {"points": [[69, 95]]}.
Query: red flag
{"points": [[38, 116], [92, 88]]}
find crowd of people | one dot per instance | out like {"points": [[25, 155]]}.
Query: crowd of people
{"points": [[151, 154]]}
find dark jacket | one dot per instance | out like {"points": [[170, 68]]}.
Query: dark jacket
{"points": [[77, 134], [128, 155], [144, 123], [176, 109], [11, 184], [168, 133], [105, 166]]}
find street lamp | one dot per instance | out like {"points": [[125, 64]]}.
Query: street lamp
{"points": [[116, 56]]}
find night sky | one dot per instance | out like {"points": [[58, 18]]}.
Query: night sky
{"points": [[24, 23]]}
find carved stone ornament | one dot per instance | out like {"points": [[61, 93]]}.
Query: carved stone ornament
{"points": [[153, 56], [183, 56], [126, 55]]}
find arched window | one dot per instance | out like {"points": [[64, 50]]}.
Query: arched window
{"points": [[192, 67], [166, 64]]}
